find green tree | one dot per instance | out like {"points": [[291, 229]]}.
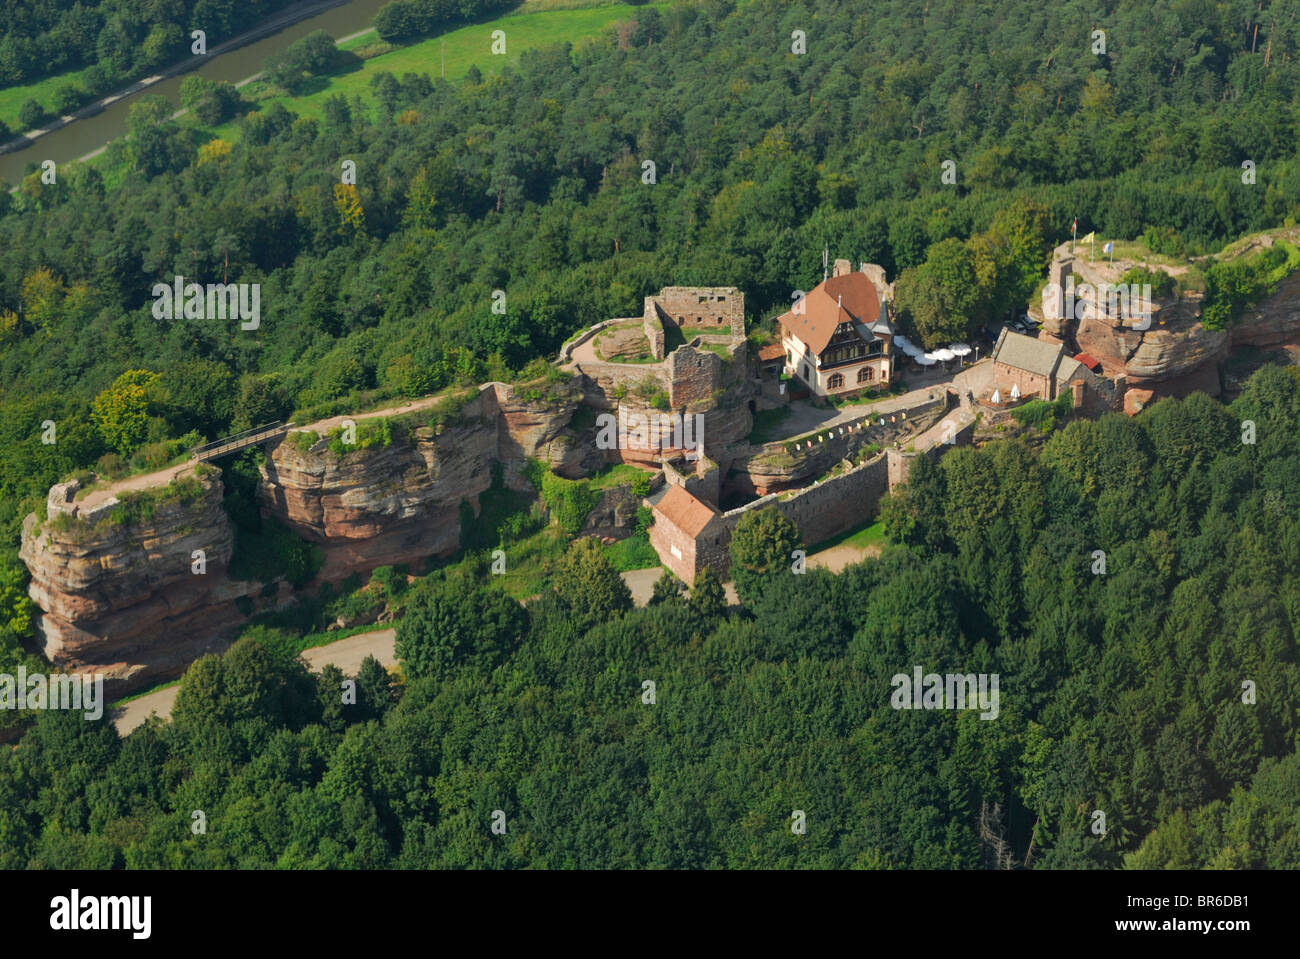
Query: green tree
{"points": [[30, 114], [67, 99], [761, 549], [450, 623], [667, 589], [589, 585], [121, 412], [708, 599]]}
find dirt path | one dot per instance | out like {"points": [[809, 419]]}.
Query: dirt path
{"points": [[101, 494], [142, 481], [837, 557], [585, 353], [346, 654], [321, 427]]}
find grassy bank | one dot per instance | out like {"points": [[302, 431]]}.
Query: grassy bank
{"points": [[531, 27]]}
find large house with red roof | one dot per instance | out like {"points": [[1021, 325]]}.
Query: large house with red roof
{"points": [[838, 338]]}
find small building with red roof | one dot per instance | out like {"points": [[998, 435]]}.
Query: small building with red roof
{"points": [[689, 534]]}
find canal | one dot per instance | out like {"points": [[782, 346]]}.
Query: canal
{"points": [[89, 134]]}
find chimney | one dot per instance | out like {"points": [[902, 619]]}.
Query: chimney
{"points": [[842, 267]]}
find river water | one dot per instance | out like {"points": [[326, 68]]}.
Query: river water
{"points": [[83, 136]]}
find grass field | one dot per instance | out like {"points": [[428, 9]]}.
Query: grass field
{"points": [[635, 552], [617, 474], [867, 536], [12, 98], [469, 45]]}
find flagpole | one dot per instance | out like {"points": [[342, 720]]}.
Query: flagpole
{"points": [[1074, 233]]}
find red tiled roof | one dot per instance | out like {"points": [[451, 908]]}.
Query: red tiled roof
{"points": [[840, 299], [773, 351], [684, 511], [858, 294], [1090, 361]]}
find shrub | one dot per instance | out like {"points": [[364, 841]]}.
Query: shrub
{"points": [[303, 440], [110, 465], [449, 410], [1044, 414], [1162, 284], [154, 456], [568, 501], [30, 114]]}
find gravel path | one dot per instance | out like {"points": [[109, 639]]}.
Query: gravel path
{"points": [[346, 654]]}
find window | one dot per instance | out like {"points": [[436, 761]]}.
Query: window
{"points": [[865, 374], [804, 374], [835, 382]]}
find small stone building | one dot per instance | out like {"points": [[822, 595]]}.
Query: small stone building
{"points": [[702, 309], [1038, 368], [689, 534]]}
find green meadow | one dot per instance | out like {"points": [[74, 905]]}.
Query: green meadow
{"points": [[455, 51]]}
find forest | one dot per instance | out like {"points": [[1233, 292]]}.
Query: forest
{"points": [[1122, 691], [532, 182]]}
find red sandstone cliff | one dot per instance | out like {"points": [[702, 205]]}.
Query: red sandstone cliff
{"points": [[1176, 354], [121, 597], [401, 503]]}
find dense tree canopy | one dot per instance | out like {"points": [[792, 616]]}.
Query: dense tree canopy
{"points": [[1123, 690], [1161, 692]]}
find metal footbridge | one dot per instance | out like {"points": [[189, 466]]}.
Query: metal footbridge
{"points": [[239, 441]]}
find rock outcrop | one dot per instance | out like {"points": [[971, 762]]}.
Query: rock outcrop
{"points": [[114, 581], [1176, 353], [118, 592], [401, 503]]}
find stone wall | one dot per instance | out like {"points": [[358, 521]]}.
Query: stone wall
{"points": [[701, 478], [653, 325], [708, 306], [566, 351], [830, 507], [786, 464], [605, 381], [1004, 377], [693, 375]]}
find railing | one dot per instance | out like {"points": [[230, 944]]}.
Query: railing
{"points": [[239, 441]]}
